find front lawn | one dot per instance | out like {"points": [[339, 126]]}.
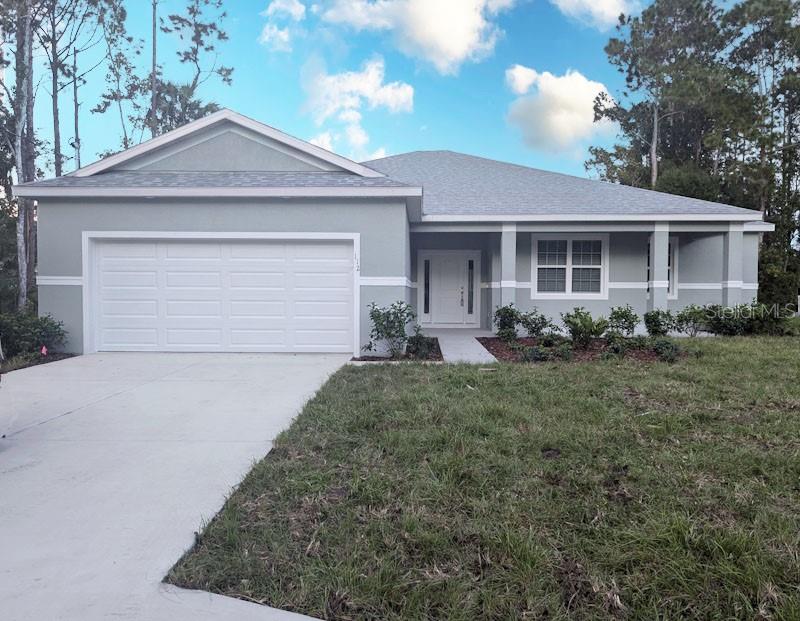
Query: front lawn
{"points": [[610, 489]]}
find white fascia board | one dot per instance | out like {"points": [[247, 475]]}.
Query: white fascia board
{"points": [[289, 192], [233, 117], [714, 217], [758, 227]]}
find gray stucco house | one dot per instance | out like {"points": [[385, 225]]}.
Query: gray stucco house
{"points": [[228, 235]]}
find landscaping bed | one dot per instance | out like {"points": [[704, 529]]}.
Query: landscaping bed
{"points": [[429, 352], [515, 351], [601, 490], [23, 361]]}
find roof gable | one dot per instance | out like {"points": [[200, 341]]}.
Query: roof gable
{"points": [[226, 141]]}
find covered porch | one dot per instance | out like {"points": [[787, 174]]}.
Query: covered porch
{"points": [[461, 272]]}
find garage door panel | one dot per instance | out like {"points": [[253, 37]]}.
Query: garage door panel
{"points": [[193, 280], [117, 278], [192, 250], [259, 338], [224, 296], [266, 309], [147, 309], [258, 280], [197, 337], [193, 308], [130, 336]]}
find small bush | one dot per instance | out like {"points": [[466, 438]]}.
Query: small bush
{"points": [[582, 327], [666, 350], [691, 320], [420, 346], [25, 333], [535, 354], [617, 346], [534, 323], [506, 319], [623, 320], [390, 327], [564, 352], [552, 339], [658, 322], [639, 342]]}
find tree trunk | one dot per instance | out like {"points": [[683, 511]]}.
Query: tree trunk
{"points": [[654, 149], [20, 112], [75, 107], [153, 85], [29, 164], [54, 68]]}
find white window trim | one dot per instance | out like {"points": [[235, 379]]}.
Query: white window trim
{"points": [[603, 238], [89, 240]]}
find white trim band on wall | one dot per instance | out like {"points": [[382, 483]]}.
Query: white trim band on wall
{"points": [[60, 280], [386, 281], [627, 285]]}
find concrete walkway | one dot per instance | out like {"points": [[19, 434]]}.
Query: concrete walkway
{"points": [[459, 345], [111, 462]]}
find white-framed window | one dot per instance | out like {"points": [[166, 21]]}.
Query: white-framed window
{"points": [[569, 266], [672, 268]]}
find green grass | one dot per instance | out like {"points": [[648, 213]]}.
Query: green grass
{"points": [[426, 492]]}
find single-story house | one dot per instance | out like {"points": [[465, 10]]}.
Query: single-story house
{"points": [[229, 235]]}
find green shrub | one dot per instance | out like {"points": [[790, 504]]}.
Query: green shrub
{"points": [[420, 346], [639, 342], [534, 354], [534, 323], [564, 352], [506, 319], [746, 319], [692, 320], [658, 322], [623, 320], [666, 350], [582, 327], [552, 339], [617, 345], [25, 333], [390, 327]]}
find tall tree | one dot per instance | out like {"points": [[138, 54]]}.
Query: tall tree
{"points": [[123, 85], [59, 31], [726, 84]]}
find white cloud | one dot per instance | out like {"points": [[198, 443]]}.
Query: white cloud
{"points": [[602, 14], [345, 93], [558, 114], [293, 9], [445, 33], [324, 140], [275, 38], [520, 78], [340, 98]]}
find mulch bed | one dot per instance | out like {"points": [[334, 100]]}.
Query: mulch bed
{"points": [[505, 352], [50, 357], [435, 356]]}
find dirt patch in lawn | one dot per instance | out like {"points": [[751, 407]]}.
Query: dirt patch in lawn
{"points": [[506, 351]]}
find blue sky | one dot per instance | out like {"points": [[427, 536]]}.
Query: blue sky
{"points": [[367, 77]]}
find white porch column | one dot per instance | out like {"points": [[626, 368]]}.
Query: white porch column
{"points": [[659, 267], [733, 246], [508, 263]]}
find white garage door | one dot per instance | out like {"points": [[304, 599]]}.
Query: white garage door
{"points": [[292, 296]]}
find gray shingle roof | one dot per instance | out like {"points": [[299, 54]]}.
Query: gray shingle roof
{"points": [[153, 179], [456, 184]]}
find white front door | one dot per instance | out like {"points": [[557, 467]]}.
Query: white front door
{"points": [[449, 289]]}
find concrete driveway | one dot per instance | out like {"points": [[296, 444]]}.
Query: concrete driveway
{"points": [[111, 462]]}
